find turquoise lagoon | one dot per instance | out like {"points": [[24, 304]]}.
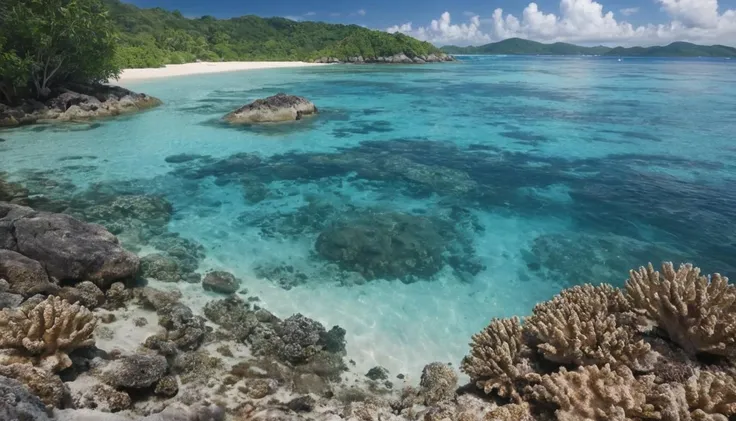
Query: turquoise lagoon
{"points": [[542, 173]]}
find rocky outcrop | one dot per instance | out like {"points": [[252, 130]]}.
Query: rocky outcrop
{"points": [[77, 103], [399, 58], [68, 249], [18, 403], [222, 282], [277, 108]]}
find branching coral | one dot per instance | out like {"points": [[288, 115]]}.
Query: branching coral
{"points": [[49, 330], [697, 312], [579, 326], [594, 393], [497, 358], [711, 395]]}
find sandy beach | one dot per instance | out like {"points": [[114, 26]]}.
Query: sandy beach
{"points": [[170, 70]]}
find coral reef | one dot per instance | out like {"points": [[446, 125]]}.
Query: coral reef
{"points": [[49, 330], [18, 403], [593, 393], [698, 312], [498, 358], [580, 326]]}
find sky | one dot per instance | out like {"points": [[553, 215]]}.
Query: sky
{"points": [[476, 22]]}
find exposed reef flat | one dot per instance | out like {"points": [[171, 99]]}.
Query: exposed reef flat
{"points": [[129, 351], [77, 103]]}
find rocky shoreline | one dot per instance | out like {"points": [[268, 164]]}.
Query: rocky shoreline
{"points": [[85, 336], [77, 103], [400, 58]]}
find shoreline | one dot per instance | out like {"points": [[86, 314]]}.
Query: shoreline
{"points": [[188, 69]]}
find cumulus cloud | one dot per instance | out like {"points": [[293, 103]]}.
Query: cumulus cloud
{"points": [[629, 11], [362, 12], [584, 21]]}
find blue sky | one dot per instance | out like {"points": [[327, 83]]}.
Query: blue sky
{"points": [[582, 21]]}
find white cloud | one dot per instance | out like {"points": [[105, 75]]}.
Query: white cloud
{"points": [[362, 12], [585, 21], [335, 14], [310, 13], [629, 11], [294, 18]]}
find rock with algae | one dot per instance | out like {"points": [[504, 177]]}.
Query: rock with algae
{"points": [[47, 386], [48, 330], [438, 383], [582, 326], [498, 359], [17, 403], [697, 312]]}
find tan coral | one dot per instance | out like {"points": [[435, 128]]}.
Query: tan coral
{"points": [[697, 312], [497, 358], [511, 412], [594, 393], [47, 330], [711, 395], [581, 326]]}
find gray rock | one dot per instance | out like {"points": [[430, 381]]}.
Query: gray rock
{"points": [[157, 299], [160, 266], [438, 383], [183, 328], [25, 276], [222, 282], [18, 404], [8, 300], [135, 371], [302, 404], [83, 103], [86, 293], [67, 248], [277, 108]]}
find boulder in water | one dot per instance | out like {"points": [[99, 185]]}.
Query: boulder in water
{"points": [[277, 108]]}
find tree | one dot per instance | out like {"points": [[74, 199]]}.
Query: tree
{"points": [[56, 41]]}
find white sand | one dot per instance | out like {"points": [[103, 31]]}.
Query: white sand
{"points": [[170, 70]]}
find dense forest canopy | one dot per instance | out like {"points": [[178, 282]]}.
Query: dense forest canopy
{"points": [[525, 47], [44, 43], [154, 37]]}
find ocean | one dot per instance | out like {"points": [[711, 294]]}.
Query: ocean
{"points": [[423, 200]]}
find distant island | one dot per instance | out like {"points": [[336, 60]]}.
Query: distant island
{"points": [[518, 46], [155, 37]]}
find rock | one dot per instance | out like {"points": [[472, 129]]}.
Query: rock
{"points": [[135, 371], [25, 276], [157, 299], [300, 335], [67, 248], [196, 412], [117, 295], [183, 328], [333, 340], [104, 398], [8, 300], [86, 293], [222, 282], [260, 388], [277, 108], [78, 102], [167, 387], [161, 267], [301, 404], [377, 373], [47, 386], [18, 404], [234, 315], [438, 383]]}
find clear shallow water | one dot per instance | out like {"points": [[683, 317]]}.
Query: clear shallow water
{"points": [[548, 172]]}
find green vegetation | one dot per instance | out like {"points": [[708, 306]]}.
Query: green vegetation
{"points": [[44, 43], [518, 46], [155, 37]]}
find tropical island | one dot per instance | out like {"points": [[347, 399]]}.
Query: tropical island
{"points": [[518, 46]]}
